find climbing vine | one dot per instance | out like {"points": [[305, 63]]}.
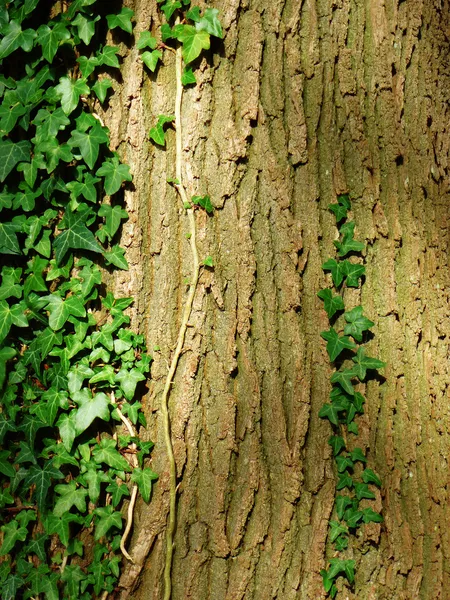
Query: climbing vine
{"points": [[186, 33], [352, 366], [71, 369]]}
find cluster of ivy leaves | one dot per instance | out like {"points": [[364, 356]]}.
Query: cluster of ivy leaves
{"points": [[193, 33], [68, 359], [348, 328]]}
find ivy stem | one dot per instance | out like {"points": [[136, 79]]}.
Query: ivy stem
{"points": [[181, 333], [134, 491]]}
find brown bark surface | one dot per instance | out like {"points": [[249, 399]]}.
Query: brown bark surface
{"points": [[303, 100]]}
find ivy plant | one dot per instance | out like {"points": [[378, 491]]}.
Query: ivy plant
{"points": [[345, 339], [71, 369]]}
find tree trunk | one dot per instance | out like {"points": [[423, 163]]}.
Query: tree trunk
{"points": [[303, 100]]}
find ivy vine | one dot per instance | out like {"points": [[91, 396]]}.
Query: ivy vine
{"points": [[71, 369], [186, 32], [352, 366]]}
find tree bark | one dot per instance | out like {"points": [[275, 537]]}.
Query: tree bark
{"points": [[303, 100]]}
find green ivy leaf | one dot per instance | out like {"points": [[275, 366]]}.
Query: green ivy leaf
{"points": [[363, 363], [50, 38], [353, 273], [12, 533], [146, 40], [143, 478], [332, 304], [370, 476], [42, 479], [150, 59], [70, 90], [14, 38], [336, 344], [85, 27], [337, 443], [101, 88], [342, 504], [69, 495], [114, 173], [345, 481], [94, 478], [117, 492], [204, 202], [362, 491], [87, 65], [331, 412], [344, 379], [357, 324], [336, 530], [122, 20], [107, 518], [370, 516], [113, 218], [60, 310], [338, 566], [75, 235], [336, 270], [169, 7], [10, 154], [67, 430], [90, 408], [128, 381], [358, 455], [340, 212], [5, 319], [348, 244], [194, 41], [116, 257], [89, 142], [105, 452], [90, 276], [108, 57], [210, 23], [61, 526], [157, 133], [188, 77]]}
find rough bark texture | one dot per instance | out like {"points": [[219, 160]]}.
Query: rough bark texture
{"points": [[303, 100]]}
